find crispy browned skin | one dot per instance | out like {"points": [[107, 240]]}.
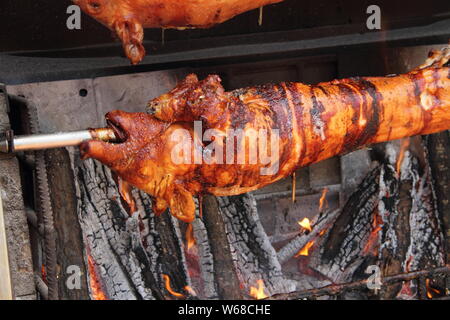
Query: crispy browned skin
{"points": [[315, 122], [128, 18]]}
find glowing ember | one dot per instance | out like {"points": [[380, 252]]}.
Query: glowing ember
{"points": [[44, 273], [169, 288], [401, 155], [431, 292], [306, 224], [372, 241], [305, 250], [258, 293], [96, 288], [190, 239], [323, 199]]}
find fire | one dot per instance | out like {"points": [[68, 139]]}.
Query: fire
{"points": [[306, 224], [190, 239], [258, 293], [323, 199], [44, 273], [305, 250], [431, 292], [96, 288], [377, 223], [404, 146], [169, 288]]}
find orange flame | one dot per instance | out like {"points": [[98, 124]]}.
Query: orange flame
{"points": [[258, 293], [431, 292], [404, 146], [190, 239], [94, 281], [377, 223], [306, 224], [190, 290], [44, 273], [169, 288], [323, 199], [305, 250]]}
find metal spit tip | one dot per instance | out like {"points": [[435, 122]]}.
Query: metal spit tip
{"points": [[53, 140]]}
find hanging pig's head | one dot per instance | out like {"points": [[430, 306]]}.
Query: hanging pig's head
{"points": [[143, 157], [120, 17]]}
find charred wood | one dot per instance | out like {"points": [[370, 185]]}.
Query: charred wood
{"points": [[339, 288], [224, 270], [439, 159], [342, 250], [113, 238], [69, 245], [254, 257]]}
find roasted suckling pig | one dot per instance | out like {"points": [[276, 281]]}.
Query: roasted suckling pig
{"points": [[128, 18], [187, 143]]}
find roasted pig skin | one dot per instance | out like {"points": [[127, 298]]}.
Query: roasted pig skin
{"points": [[315, 122], [128, 18]]}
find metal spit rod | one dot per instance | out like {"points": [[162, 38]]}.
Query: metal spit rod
{"points": [[13, 143]]}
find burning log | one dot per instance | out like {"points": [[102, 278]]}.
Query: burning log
{"points": [[114, 238], [253, 255], [340, 288], [439, 159], [302, 240], [391, 222], [136, 254]]}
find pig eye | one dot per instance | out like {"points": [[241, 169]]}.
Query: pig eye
{"points": [[94, 5]]}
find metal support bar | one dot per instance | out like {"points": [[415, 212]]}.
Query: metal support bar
{"points": [[41, 287]]}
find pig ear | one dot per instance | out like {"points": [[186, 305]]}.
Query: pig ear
{"points": [[182, 204], [213, 83], [132, 34], [190, 79], [159, 206]]}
